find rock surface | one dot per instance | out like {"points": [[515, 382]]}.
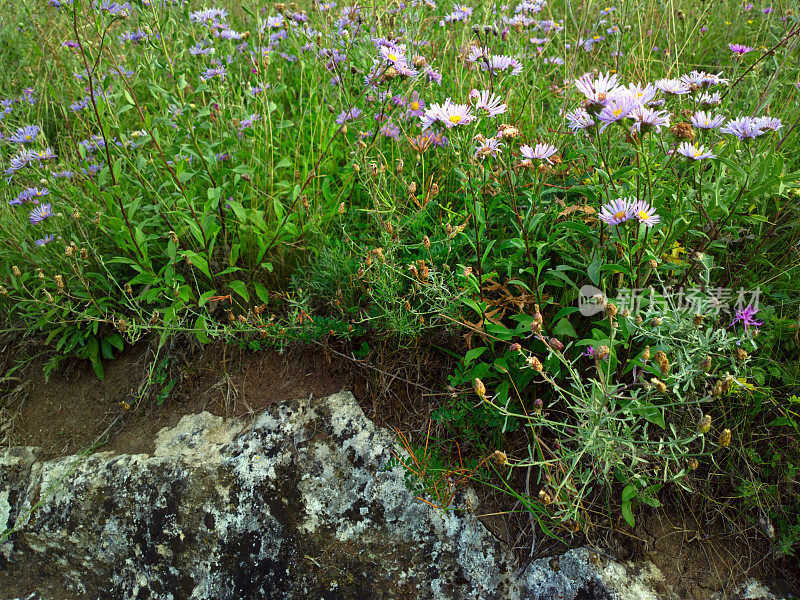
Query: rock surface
{"points": [[307, 501]]}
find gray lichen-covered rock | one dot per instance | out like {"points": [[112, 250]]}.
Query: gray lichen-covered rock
{"points": [[305, 502]]}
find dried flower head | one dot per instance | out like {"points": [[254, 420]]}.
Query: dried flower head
{"points": [[480, 389], [705, 424], [724, 439], [500, 458]]}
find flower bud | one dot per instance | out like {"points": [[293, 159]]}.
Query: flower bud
{"points": [[556, 344], [698, 320], [500, 458], [705, 424], [611, 309], [15, 270], [545, 497], [692, 464], [646, 353], [426, 241], [602, 352], [724, 439], [515, 347], [535, 364], [480, 389], [741, 354], [342, 208], [656, 322], [659, 385], [652, 263]]}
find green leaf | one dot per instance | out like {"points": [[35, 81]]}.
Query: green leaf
{"points": [[564, 327], [627, 514], [473, 354], [262, 293], [240, 288], [200, 330]]}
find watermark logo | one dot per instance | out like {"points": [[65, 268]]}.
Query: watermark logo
{"points": [[591, 300], [696, 300]]}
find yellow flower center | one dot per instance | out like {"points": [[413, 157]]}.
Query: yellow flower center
{"points": [[617, 112], [392, 57], [415, 105], [643, 215], [455, 119], [619, 215]]}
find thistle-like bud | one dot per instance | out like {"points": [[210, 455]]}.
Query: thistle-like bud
{"points": [[698, 320], [342, 208], [173, 237], [400, 165], [388, 227], [705, 364], [611, 309], [15, 270], [659, 385], [602, 352], [128, 289], [40, 273], [741, 354], [84, 253], [535, 364], [59, 282], [692, 464], [545, 497], [705, 424], [426, 241], [480, 389], [724, 439], [662, 362], [412, 188], [76, 215], [646, 354], [537, 405], [515, 347], [3, 291], [556, 344], [652, 263], [683, 131], [467, 271], [500, 458], [378, 252], [434, 189]]}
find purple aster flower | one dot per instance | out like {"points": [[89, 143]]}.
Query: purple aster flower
{"points": [[616, 109], [486, 101], [709, 100], [209, 74], [31, 194], [673, 87], [645, 213], [740, 49], [701, 120], [390, 130], [348, 115], [747, 316], [45, 240], [694, 152], [488, 148], [40, 213], [415, 106], [617, 211], [646, 119], [744, 128], [597, 90], [449, 113], [540, 152], [499, 63], [579, 120], [24, 135], [768, 123]]}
